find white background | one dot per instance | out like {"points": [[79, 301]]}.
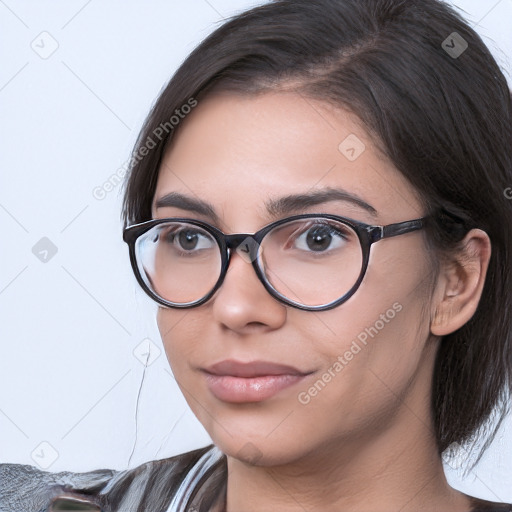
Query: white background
{"points": [[69, 326]]}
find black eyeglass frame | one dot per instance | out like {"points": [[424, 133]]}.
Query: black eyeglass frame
{"points": [[367, 234]]}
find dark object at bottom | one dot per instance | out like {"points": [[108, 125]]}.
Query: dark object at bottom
{"points": [[72, 504]]}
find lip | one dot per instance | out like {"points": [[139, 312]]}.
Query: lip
{"points": [[255, 381], [252, 368]]}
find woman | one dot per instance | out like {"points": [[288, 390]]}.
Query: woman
{"points": [[318, 202]]}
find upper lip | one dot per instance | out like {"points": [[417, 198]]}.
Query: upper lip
{"points": [[252, 369]]}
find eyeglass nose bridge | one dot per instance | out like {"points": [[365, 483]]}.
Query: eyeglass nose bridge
{"points": [[248, 243]]}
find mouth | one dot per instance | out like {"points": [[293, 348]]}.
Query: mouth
{"points": [[238, 382]]}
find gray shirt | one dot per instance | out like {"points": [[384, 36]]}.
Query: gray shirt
{"points": [[194, 481], [190, 482]]}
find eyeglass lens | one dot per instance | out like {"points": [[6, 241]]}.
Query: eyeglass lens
{"points": [[312, 261]]}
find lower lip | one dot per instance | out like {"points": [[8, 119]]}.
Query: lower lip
{"points": [[249, 389]]}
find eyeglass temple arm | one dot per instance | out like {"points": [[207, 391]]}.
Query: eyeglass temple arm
{"points": [[398, 228]]}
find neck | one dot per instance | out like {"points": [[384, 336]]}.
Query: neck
{"points": [[398, 469]]}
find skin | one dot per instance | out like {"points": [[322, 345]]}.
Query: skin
{"points": [[366, 441]]}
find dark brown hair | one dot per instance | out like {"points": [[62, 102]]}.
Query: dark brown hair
{"points": [[444, 121]]}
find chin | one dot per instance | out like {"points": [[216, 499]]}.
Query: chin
{"points": [[260, 450]]}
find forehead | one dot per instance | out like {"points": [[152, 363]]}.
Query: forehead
{"points": [[236, 152]]}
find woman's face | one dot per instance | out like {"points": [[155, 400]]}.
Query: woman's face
{"points": [[368, 362]]}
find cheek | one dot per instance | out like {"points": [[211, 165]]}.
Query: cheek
{"points": [[373, 346], [366, 374], [178, 336]]}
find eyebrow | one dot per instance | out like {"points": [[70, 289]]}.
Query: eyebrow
{"points": [[281, 206]]}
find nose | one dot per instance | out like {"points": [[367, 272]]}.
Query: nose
{"points": [[242, 302]]}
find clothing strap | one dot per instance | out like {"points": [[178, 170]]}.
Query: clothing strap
{"points": [[192, 479]]}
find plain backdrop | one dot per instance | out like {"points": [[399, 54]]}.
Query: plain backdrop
{"points": [[77, 78]]}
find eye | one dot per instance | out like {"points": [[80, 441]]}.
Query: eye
{"points": [[187, 239], [321, 237]]}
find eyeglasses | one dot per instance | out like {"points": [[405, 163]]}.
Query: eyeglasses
{"points": [[312, 262]]}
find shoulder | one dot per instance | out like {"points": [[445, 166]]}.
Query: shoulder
{"points": [[29, 489], [155, 484]]}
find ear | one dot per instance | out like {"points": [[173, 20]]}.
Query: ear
{"points": [[460, 284]]}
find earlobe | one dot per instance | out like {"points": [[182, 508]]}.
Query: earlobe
{"points": [[461, 284]]}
